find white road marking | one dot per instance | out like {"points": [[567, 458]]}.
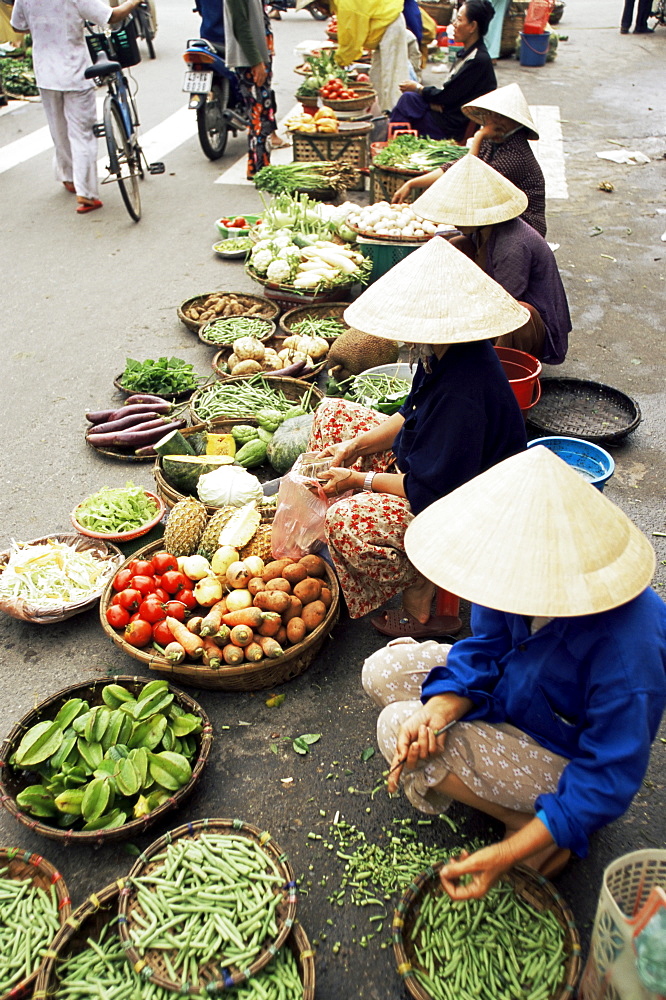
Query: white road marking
{"points": [[25, 148], [549, 150], [157, 142]]}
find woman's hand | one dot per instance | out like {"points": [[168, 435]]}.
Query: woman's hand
{"points": [[416, 737], [402, 193], [343, 454], [409, 85], [485, 866], [339, 480], [259, 74]]}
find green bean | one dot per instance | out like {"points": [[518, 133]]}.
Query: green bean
{"points": [[313, 326], [226, 331], [28, 924], [244, 399]]}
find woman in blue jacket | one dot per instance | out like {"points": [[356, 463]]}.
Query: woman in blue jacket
{"points": [[555, 699]]}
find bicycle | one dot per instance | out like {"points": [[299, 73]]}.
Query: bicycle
{"points": [[659, 11], [145, 26], [120, 119]]}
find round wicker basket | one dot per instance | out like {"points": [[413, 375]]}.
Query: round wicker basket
{"points": [[101, 908], [527, 883], [172, 397], [293, 390], [12, 781], [365, 98], [324, 310], [219, 362], [243, 676], [247, 299], [39, 614], [23, 866], [152, 963], [264, 337], [123, 536]]}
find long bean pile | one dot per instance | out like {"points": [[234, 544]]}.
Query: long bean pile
{"points": [[495, 948], [380, 388], [226, 331], [28, 924], [246, 398], [313, 326], [213, 898]]}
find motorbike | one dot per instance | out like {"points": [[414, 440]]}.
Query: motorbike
{"points": [[214, 95], [319, 11]]}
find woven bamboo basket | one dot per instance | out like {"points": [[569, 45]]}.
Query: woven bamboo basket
{"points": [[325, 310], [152, 963], [264, 338], [12, 781], [23, 866], [331, 146], [172, 397], [40, 614], [219, 362], [243, 676], [267, 310], [441, 13], [527, 883], [366, 97], [101, 908], [385, 181], [512, 26], [293, 389]]}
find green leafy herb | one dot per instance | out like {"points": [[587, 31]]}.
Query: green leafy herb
{"points": [[112, 511], [306, 176], [170, 375], [410, 152]]}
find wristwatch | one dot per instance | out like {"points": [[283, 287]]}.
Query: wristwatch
{"points": [[367, 482]]}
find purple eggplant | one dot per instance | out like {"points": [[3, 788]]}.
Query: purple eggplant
{"points": [[144, 397], [134, 437], [123, 423], [99, 416], [126, 411], [293, 371]]}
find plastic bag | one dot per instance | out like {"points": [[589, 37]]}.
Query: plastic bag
{"points": [[299, 523], [536, 18]]}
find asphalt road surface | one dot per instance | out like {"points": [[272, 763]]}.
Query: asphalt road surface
{"points": [[82, 293]]}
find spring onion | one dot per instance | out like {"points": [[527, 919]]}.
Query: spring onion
{"points": [[53, 574], [306, 176], [111, 511], [410, 152]]}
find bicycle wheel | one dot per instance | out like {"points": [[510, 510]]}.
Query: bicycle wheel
{"points": [[319, 13], [212, 125], [124, 158]]}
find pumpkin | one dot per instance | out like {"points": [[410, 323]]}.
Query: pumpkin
{"points": [[289, 441]]}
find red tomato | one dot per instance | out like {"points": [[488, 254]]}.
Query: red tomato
{"points": [[117, 617], [152, 610], [176, 609], [162, 633], [164, 561], [145, 584], [137, 614], [173, 581], [162, 594], [239, 222], [141, 567], [138, 633], [121, 579], [115, 600], [187, 598], [130, 599], [363, 78]]}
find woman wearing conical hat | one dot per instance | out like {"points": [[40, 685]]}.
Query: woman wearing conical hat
{"points": [[556, 697], [502, 142], [460, 418], [486, 208]]}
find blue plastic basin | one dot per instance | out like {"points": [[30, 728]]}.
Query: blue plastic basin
{"points": [[593, 463]]}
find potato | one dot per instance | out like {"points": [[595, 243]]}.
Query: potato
{"points": [[274, 569], [272, 600], [279, 583], [281, 636], [255, 585], [271, 624], [294, 609], [296, 630], [308, 590], [326, 596], [295, 572], [313, 614], [315, 565]]}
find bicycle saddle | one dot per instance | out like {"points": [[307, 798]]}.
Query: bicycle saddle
{"points": [[104, 67]]}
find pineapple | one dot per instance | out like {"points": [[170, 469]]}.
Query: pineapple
{"points": [[259, 544], [210, 540], [185, 527], [241, 526]]}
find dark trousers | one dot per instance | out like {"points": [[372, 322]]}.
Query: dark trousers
{"points": [[642, 14]]}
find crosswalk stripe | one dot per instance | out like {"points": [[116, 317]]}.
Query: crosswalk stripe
{"points": [[25, 148], [549, 150]]}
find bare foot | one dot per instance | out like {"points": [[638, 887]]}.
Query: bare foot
{"points": [[417, 599]]}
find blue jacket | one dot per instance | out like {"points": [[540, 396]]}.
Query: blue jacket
{"points": [[591, 688]]}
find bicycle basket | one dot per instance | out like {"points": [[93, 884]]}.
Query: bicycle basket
{"points": [[120, 44]]}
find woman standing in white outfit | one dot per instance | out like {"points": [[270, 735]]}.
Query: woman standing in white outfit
{"points": [[60, 57]]}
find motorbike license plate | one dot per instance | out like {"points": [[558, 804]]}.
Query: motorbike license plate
{"points": [[197, 83]]}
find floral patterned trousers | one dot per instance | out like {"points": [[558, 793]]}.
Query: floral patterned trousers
{"points": [[365, 531], [260, 107], [498, 762]]}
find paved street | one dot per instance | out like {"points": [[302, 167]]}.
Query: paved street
{"points": [[80, 294]]}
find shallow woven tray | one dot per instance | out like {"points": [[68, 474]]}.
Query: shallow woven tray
{"points": [[293, 389], [576, 407], [222, 356], [265, 336], [172, 397], [364, 100], [390, 239], [527, 883], [38, 614], [22, 865], [242, 676], [155, 969], [122, 536], [12, 782], [118, 453], [101, 908], [269, 311], [324, 310]]}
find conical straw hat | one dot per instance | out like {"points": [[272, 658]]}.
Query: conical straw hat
{"points": [[471, 193], [508, 101], [532, 537], [436, 295]]}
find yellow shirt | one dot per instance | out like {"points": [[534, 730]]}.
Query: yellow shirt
{"points": [[361, 25]]}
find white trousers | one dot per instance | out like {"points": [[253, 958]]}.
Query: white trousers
{"points": [[71, 115], [390, 64]]}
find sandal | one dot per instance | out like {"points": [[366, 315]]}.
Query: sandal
{"points": [[396, 623], [69, 186], [88, 206]]}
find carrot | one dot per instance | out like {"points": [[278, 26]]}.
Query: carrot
{"points": [[213, 619], [211, 654], [192, 644], [194, 625], [252, 617], [233, 654], [271, 623], [253, 652], [241, 635], [271, 648], [174, 652], [221, 637]]}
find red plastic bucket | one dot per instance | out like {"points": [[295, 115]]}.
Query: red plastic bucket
{"points": [[522, 371]]}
